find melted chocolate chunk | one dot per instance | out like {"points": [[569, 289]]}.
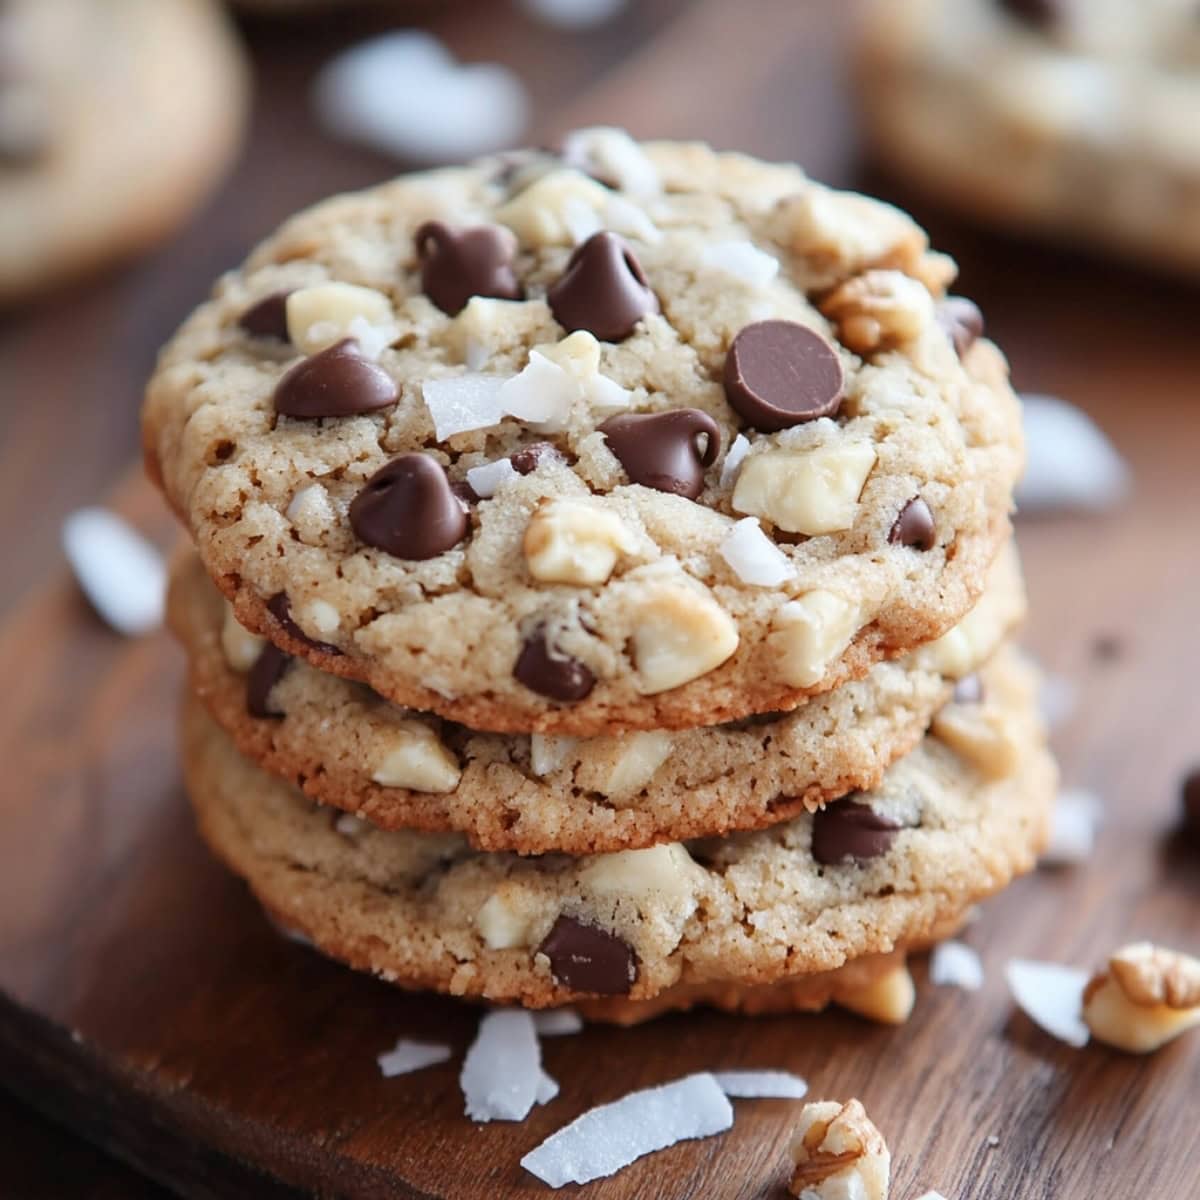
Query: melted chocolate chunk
{"points": [[543, 669], [269, 668], [915, 526], [457, 264], [962, 321], [779, 374], [847, 830], [667, 451], [586, 958], [409, 509], [527, 460], [336, 382], [267, 318], [280, 607], [603, 290]]}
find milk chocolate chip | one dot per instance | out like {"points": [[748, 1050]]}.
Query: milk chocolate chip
{"points": [[667, 451], [545, 670], [527, 460], [586, 958], [337, 382], [280, 607], [267, 318], [914, 526], [779, 374], [269, 668], [847, 829], [409, 509], [962, 321], [603, 290], [457, 264]]}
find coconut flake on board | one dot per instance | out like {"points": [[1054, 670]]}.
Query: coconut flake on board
{"points": [[408, 1055], [502, 1073], [761, 1085], [1051, 996], [557, 1022], [1073, 822], [607, 1138], [955, 964]]}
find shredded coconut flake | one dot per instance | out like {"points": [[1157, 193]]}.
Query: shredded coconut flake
{"points": [[1051, 996], [372, 340], [754, 558], [487, 477], [547, 1088], [1056, 699], [733, 459], [743, 260], [502, 1073], [542, 394], [463, 402], [606, 395], [120, 572], [557, 1022], [548, 752], [955, 964], [761, 1085], [1072, 828], [607, 1138], [407, 1056]]}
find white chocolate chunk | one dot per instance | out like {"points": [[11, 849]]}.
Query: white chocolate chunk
{"points": [[611, 154], [620, 766], [311, 512], [811, 633], [321, 315], [548, 752], [743, 260], [536, 214], [574, 541], [504, 921], [679, 635], [986, 737], [241, 647], [319, 618], [805, 491], [417, 760], [665, 872]]}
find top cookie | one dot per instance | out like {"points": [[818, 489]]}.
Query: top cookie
{"points": [[541, 453]]}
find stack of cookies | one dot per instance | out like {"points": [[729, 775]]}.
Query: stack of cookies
{"points": [[602, 585]]}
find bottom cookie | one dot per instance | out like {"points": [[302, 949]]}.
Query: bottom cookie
{"points": [[952, 822]]}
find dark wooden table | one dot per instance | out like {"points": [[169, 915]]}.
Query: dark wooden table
{"points": [[767, 76]]}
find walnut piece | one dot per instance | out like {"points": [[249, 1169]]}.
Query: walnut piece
{"points": [[888, 999], [879, 310], [1146, 996], [838, 1154]]}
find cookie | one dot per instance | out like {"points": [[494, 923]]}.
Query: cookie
{"points": [[544, 455], [347, 747], [117, 117], [1077, 120], [951, 822]]}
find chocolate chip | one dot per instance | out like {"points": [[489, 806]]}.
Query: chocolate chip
{"points": [[336, 382], [586, 958], [1107, 647], [1035, 12], [962, 321], [280, 607], [409, 509], [847, 829], [527, 460], [457, 264], [969, 689], [667, 451], [1191, 804], [267, 318], [544, 669], [914, 526], [603, 290], [269, 668], [465, 494], [779, 374]]}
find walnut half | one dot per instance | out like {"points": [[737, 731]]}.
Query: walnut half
{"points": [[838, 1154], [1146, 996]]}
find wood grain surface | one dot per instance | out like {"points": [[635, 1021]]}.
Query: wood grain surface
{"points": [[146, 1004]]}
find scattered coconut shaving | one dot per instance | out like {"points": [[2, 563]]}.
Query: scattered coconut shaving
{"points": [[733, 459], [761, 1085], [955, 964], [547, 1088], [1051, 996], [743, 260], [408, 1055], [607, 1138], [487, 477], [548, 751], [932, 1196], [1072, 828], [502, 1073], [557, 1022], [463, 403], [753, 557]]}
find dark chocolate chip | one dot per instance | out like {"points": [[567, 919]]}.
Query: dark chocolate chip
{"points": [[667, 451], [962, 321], [280, 607], [603, 290], [1042, 13], [544, 669], [847, 829], [267, 318], [914, 526], [527, 460], [779, 374], [336, 382], [269, 668], [586, 958], [457, 264], [969, 689], [465, 494], [409, 509], [1191, 804]]}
